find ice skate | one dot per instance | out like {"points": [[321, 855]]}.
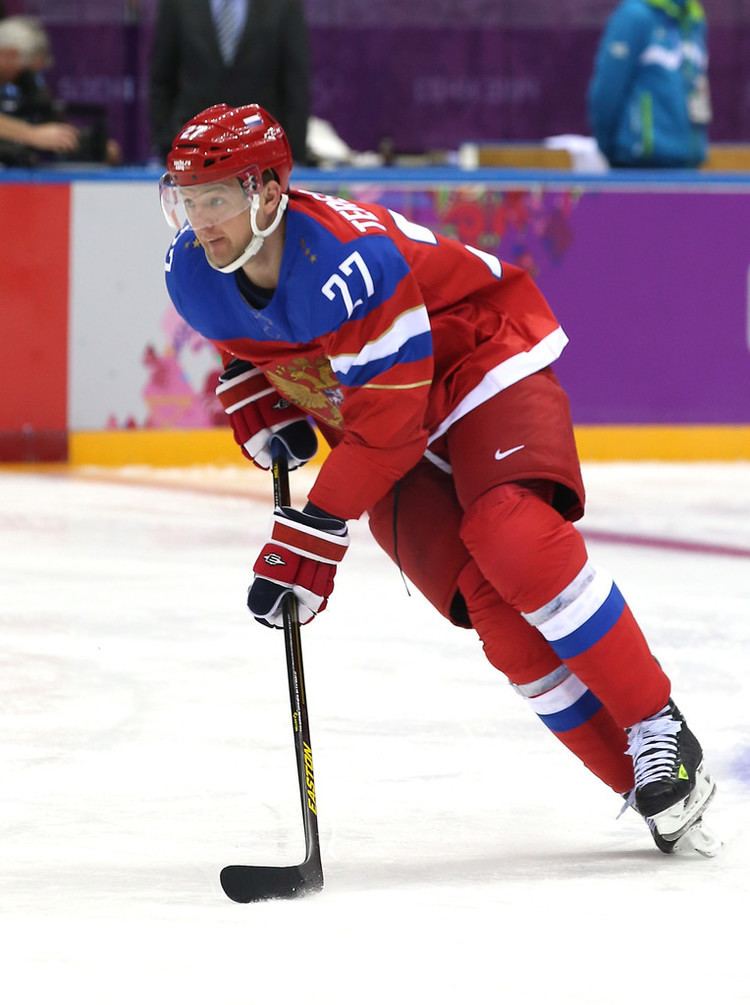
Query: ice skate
{"points": [[672, 786]]}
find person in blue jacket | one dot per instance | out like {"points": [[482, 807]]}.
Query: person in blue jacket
{"points": [[648, 100]]}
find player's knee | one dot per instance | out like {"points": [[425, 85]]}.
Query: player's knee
{"points": [[525, 549], [507, 511]]}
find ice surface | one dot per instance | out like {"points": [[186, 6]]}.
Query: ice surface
{"points": [[145, 743]]}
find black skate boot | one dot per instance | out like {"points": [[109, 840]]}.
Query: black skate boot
{"points": [[672, 786]]}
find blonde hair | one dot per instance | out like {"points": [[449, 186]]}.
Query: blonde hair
{"points": [[26, 36]]}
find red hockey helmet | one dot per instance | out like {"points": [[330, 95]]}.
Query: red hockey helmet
{"points": [[215, 172], [221, 142]]}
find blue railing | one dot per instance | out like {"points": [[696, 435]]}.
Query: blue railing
{"points": [[423, 176]]}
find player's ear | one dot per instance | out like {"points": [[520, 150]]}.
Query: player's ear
{"points": [[270, 195]]}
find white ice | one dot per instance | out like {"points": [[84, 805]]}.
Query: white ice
{"points": [[145, 742]]}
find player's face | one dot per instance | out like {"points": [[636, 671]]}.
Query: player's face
{"points": [[224, 242], [220, 216], [212, 204]]}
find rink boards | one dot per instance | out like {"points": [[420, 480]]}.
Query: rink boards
{"points": [[648, 275]]}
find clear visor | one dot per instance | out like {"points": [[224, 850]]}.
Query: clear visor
{"points": [[203, 206]]}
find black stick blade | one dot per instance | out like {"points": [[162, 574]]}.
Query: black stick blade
{"points": [[247, 884]]}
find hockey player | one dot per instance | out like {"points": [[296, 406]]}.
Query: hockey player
{"points": [[426, 365]]}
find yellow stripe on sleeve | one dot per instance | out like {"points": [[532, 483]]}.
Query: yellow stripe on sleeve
{"points": [[398, 387]]}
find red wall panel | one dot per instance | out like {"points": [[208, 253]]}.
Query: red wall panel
{"points": [[34, 293]]}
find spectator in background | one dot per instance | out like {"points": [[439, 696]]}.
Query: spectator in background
{"points": [[36, 102], [648, 100], [22, 136], [28, 98], [236, 51]]}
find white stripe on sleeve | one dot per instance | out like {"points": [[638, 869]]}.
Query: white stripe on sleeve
{"points": [[412, 322]]}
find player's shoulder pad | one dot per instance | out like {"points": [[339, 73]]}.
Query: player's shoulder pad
{"points": [[342, 218], [346, 274]]}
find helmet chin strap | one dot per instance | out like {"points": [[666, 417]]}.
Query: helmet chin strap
{"points": [[259, 235]]}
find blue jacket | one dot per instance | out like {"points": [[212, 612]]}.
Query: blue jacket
{"points": [[648, 99]]}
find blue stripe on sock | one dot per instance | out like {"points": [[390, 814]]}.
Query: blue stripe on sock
{"points": [[578, 713], [594, 629]]}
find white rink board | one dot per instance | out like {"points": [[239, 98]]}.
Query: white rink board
{"points": [[120, 307]]}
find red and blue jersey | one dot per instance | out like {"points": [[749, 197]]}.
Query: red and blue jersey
{"points": [[383, 331]]}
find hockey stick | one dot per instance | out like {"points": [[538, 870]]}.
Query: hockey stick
{"points": [[247, 883]]}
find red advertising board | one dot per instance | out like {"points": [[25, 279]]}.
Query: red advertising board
{"points": [[34, 292]]}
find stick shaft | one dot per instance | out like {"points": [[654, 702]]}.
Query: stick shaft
{"points": [[296, 676], [251, 883]]}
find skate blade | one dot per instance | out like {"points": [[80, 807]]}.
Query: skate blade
{"points": [[693, 835], [701, 840], [673, 824]]}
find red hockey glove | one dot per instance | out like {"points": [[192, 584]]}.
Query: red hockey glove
{"points": [[257, 412], [301, 558]]}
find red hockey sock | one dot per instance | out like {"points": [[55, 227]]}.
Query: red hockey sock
{"points": [[537, 562], [566, 706]]}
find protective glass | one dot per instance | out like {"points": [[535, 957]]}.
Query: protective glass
{"points": [[203, 206]]}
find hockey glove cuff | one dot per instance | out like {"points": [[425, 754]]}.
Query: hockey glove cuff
{"points": [[300, 557], [257, 412]]}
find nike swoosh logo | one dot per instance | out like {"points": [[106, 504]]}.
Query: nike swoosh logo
{"points": [[500, 454]]}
